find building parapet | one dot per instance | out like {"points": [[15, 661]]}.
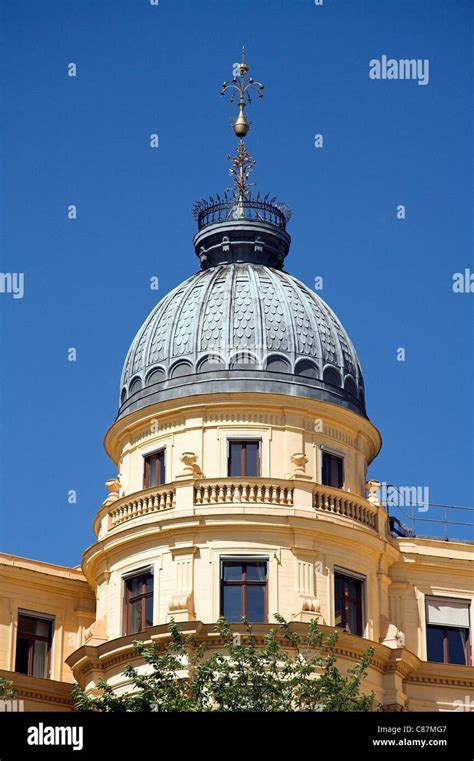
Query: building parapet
{"points": [[295, 494], [340, 502]]}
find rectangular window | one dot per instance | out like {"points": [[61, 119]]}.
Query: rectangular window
{"points": [[244, 587], [244, 458], [333, 470], [448, 631], [138, 612], [348, 603], [154, 469], [33, 645]]}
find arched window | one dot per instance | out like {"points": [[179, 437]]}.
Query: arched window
{"points": [[332, 376], [242, 361], [276, 364], [155, 376], [135, 386], [350, 386], [210, 363], [180, 370], [307, 369]]}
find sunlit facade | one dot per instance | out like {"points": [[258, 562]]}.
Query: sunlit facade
{"points": [[241, 447]]}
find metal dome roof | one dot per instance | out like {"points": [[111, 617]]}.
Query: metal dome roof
{"points": [[241, 326]]}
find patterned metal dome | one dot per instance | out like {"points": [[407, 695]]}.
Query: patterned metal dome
{"points": [[241, 326]]}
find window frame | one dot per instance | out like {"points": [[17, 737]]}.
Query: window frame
{"points": [[244, 440], [244, 560], [333, 453], [445, 629], [143, 596], [146, 467], [353, 575], [32, 638]]}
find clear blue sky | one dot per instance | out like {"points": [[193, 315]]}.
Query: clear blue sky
{"points": [[144, 69]]}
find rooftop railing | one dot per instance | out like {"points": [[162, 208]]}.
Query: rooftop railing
{"points": [[227, 209], [433, 521]]}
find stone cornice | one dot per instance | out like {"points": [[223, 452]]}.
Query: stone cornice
{"points": [[60, 585], [263, 518], [40, 566], [124, 428], [43, 690], [385, 660]]}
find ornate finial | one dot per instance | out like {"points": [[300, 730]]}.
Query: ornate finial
{"points": [[242, 163], [240, 203]]}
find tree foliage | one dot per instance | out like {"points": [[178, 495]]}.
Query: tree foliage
{"points": [[7, 691], [285, 672]]}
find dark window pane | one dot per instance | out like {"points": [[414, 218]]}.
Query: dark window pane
{"points": [[232, 571], [32, 625], [434, 641], [339, 613], [21, 663], [40, 658], [33, 645], [135, 586], [251, 459], [153, 471], [256, 604], [348, 603], [332, 471], [139, 601], [235, 458], [43, 627], [352, 618], [256, 571], [149, 611], [135, 616], [232, 603], [352, 586], [160, 467], [457, 646]]}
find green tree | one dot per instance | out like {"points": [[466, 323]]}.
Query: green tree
{"points": [[285, 672], [7, 691]]}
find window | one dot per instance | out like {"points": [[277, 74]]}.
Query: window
{"points": [[138, 612], [244, 590], [333, 470], [447, 631], [33, 645], [154, 469], [348, 603], [244, 458]]}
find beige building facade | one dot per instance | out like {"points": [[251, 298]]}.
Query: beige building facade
{"points": [[181, 532], [241, 450]]}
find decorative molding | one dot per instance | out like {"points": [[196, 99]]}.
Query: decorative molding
{"points": [[244, 417], [339, 435], [165, 425]]}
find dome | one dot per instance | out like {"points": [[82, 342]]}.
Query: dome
{"points": [[241, 326]]}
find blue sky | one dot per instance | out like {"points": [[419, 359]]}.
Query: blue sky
{"points": [[143, 69]]}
